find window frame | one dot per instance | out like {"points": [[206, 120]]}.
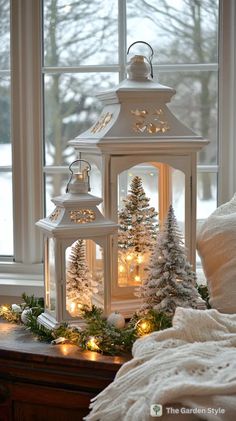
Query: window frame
{"points": [[25, 272]]}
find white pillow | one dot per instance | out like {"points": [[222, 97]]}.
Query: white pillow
{"points": [[216, 244]]}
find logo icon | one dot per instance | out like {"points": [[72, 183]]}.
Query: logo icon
{"points": [[156, 410]]}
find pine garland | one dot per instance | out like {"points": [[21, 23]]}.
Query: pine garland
{"points": [[109, 339]]}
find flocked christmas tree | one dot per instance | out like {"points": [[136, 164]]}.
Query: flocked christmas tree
{"points": [[79, 283], [137, 233], [171, 281]]}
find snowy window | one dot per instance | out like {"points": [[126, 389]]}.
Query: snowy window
{"points": [[84, 51]]}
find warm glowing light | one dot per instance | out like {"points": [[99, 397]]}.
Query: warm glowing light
{"points": [[4, 308], [129, 257], [72, 307], [65, 349], [121, 268], [79, 176], [92, 345], [140, 259], [144, 326], [137, 278]]}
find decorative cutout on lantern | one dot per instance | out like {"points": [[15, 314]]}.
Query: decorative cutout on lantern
{"points": [[102, 122], [82, 216], [139, 113], [55, 214], [154, 123]]}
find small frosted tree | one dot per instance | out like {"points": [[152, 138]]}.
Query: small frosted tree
{"points": [[137, 231], [170, 282], [79, 283]]}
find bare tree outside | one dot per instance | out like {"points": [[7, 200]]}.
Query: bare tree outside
{"points": [[187, 32], [85, 33], [75, 33]]}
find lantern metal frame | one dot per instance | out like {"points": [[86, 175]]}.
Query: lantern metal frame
{"points": [[136, 126], [64, 230]]}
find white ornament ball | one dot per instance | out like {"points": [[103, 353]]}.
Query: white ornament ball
{"points": [[16, 308], [117, 320], [24, 315]]}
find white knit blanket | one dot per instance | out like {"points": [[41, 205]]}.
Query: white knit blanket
{"points": [[189, 367]]}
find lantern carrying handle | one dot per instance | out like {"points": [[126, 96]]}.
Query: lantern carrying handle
{"points": [[149, 59], [71, 175]]}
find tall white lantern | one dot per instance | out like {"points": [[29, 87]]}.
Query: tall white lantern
{"points": [[137, 134], [77, 253]]}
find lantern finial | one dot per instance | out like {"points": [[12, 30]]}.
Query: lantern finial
{"points": [[79, 181], [139, 66]]}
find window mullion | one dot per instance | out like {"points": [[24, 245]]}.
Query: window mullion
{"points": [[26, 128], [122, 30], [227, 101]]}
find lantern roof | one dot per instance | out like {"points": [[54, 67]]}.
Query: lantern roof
{"points": [[76, 211], [136, 111]]}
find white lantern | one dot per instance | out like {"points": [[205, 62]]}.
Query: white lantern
{"points": [[77, 252], [137, 134]]}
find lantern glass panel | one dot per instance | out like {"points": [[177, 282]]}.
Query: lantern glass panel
{"points": [[178, 197], [149, 176], [84, 276], [50, 275], [137, 220]]}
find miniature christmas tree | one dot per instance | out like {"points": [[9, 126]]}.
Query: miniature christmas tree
{"points": [[171, 282], [79, 283], [137, 233]]}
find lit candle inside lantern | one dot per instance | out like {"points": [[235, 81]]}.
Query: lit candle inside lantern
{"points": [[72, 308], [137, 278], [121, 268], [140, 259], [129, 257], [79, 176]]}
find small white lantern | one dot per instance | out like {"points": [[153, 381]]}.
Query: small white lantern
{"points": [[76, 226], [137, 134]]}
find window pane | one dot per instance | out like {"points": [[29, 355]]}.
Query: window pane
{"points": [[70, 109], [178, 197], [4, 34], [6, 228], [80, 32], [206, 194], [6, 223], [206, 204], [5, 146], [180, 31], [195, 104]]}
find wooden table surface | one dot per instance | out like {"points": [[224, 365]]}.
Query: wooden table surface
{"points": [[15, 339], [44, 382]]}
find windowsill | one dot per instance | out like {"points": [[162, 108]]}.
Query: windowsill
{"points": [[17, 278]]}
